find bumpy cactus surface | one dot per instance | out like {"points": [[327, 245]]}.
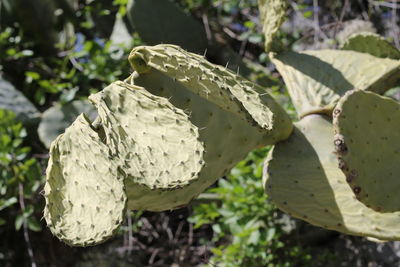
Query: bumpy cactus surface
{"points": [[272, 15], [367, 143], [372, 44], [164, 135], [84, 191], [317, 79], [159, 147], [302, 177], [218, 101]]}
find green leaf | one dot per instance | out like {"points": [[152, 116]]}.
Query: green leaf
{"points": [[34, 225], [18, 222], [9, 202]]}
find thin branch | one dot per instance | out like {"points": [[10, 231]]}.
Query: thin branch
{"points": [[342, 13], [317, 30], [25, 226], [207, 27]]}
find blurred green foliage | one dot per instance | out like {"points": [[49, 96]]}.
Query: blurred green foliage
{"points": [[248, 229], [20, 175]]}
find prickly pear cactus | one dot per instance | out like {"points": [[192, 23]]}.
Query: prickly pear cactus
{"points": [[317, 79], [353, 27], [367, 143], [302, 177], [160, 22], [158, 146], [372, 44], [215, 100], [57, 118], [272, 15], [214, 83], [154, 144], [84, 190]]}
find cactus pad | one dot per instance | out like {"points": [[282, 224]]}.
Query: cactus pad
{"points": [[317, 79], [367, 128], [272, 15], [84, 191], [158, 143], [57, 118], [302, 177], [218, 85], [372, 44], [182, 79]]}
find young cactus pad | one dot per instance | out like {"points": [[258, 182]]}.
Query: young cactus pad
{"points": [[214, 83], [84, 191], [367, 128], [317, 79], [158, 146], [371, 43], [302, 177], [272, 15], [178, 78]]}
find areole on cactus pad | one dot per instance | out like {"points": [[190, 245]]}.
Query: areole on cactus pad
{"points": [[302, 177], [367, 143]]}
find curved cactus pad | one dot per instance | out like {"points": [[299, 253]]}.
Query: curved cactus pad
{"points": [[371, 43], [84, 192], [158, 143], [367, 128], [57, 118], [218, 85], [272, 14], [302, 177], [317, 79]]}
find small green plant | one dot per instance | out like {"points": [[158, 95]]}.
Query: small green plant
{"points": [[248, 228], [20, 176]]}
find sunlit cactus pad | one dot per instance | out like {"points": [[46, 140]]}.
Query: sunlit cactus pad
{"points": [[302, 177], [371, 43], [84, 191], [159, 147], [317, 79], [214, 83], [367, 128]]}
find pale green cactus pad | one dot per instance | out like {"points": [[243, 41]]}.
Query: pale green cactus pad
{"points": [[163, 22], [158, 146], [371, 43], [218, 85], [218, 111], [317, 79], [302, 177], [367, 128], [272, 15], [84, 190], [354, 26], [57, 118]]}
